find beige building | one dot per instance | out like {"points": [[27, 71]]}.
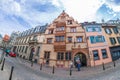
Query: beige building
{"points": [[28, 44], [112, 35], [65, 41]]}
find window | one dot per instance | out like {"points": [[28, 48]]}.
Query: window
{"points": [[108, 31], [69, 22], [96, 39], [59, 38], [61, 28], [68, 56], [112, 40], [79, 39], [60, 56], [49, 40], [73, 29], [115, 30], [118, 38], [69, 39], [23, 48], [95, 54], [38, 49], [104, 53], [92, 39], [35, 37], [100, 39], [50, 31], [26, 49], [93, 29], [46, 55]]}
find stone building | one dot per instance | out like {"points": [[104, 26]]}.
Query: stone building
{"points": [[28, 44], [65, 41]]}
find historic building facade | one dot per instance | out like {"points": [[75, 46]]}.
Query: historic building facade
{"points": [[112, 35], [97, 44], [28, 44], [65, 41]]}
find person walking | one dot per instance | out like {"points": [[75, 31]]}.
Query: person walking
{"points": [[71, 64], [78, 65]]}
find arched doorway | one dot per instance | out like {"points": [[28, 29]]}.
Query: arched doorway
{"points": [[82, 57]]}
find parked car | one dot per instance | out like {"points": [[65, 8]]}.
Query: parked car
{"points": [[12, 54]]}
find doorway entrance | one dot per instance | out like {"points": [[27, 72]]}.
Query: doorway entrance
{"points": [[31, 54], [82, 58]]}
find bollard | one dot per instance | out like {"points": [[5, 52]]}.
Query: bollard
{"points": [[10, 78], [41, 66], [103, 66], [3, 65], [31, 63], [114, 63], [53, 71], [70, 71]]}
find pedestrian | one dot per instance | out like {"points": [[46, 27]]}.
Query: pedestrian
{"points": [[71, 64], [78, 65]]}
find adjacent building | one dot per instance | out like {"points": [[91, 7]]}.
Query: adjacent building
{"points": [[65, 41], [112, 35], [97, 44], [28, 44]]}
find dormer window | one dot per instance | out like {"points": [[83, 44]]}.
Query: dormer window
{"points": [[69, 22]]}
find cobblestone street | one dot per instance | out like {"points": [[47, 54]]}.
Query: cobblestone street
{"points": [[24, 71]]}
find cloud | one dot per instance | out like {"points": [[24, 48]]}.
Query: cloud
{"points": [[114, 5], [24, 14]]}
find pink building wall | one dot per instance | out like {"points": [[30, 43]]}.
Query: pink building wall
{"points": [[97, 46]]}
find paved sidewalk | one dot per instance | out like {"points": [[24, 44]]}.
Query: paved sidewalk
{"points": [[61, 72]]}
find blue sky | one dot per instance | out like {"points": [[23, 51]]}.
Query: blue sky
{"points": [[20, 15]]}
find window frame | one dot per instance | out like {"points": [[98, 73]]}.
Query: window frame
{"points": [[106, 56], [98, 58]]}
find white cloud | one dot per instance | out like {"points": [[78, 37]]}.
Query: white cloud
{"points": [[82, 10], [113, 6]]}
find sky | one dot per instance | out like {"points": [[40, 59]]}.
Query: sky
{"points": [[20, 15]]}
